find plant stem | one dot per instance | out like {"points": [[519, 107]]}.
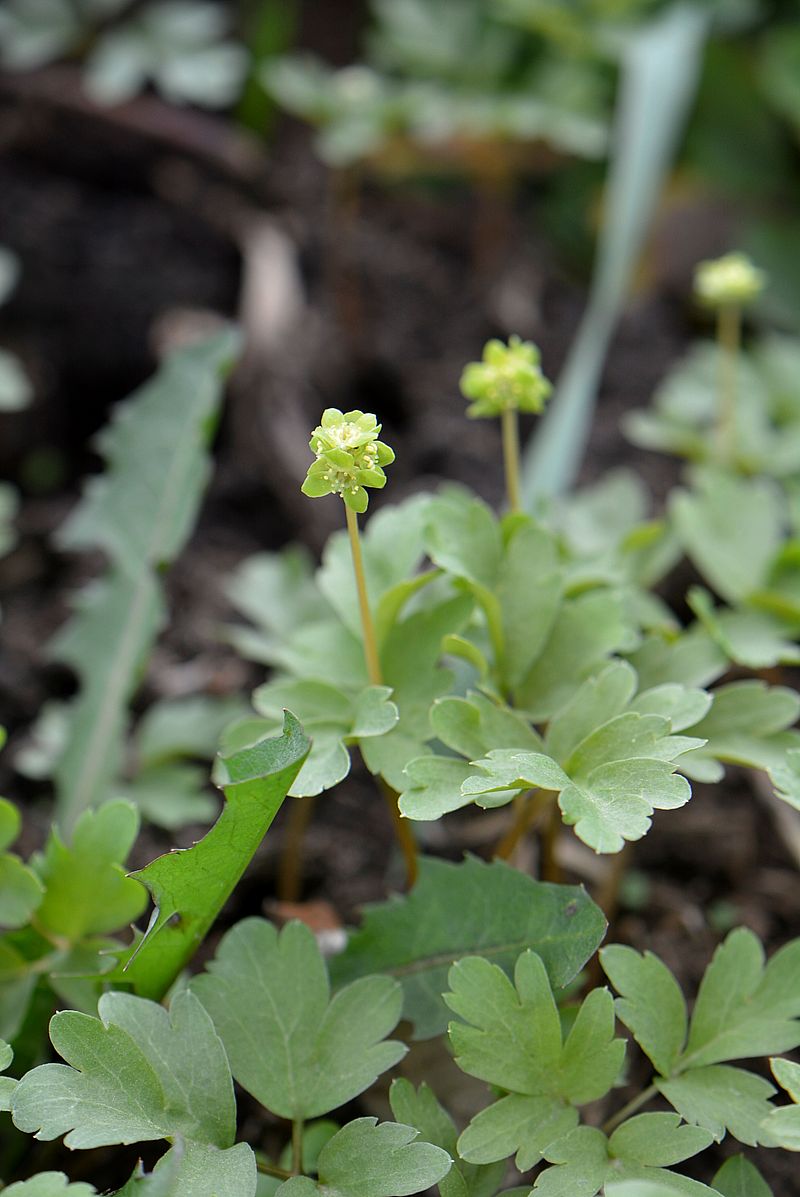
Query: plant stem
{"points": [[729, 335], [370, 643], [633, 1105], [528, 809], [510, 425], [297, 1147], [272, 1170], [402, 830], [551, 869], [290, 866]]}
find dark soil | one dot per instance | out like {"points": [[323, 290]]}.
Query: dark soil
{"points": [[121, 237]]}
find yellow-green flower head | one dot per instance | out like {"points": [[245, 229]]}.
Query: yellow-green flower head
{"points": [[508, 378], [730, 281], [349, 457]]}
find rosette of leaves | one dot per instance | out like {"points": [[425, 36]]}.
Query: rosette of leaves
{"points": [[309, 631], [610, 754], [685, 409], [129, 1074]]}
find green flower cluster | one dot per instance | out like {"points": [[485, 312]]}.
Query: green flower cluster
{"points": [[508, 378], [349, 457], [730, 281]]}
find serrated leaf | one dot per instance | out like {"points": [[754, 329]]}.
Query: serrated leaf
{"points": [[651, 1004], [194, 884], [690, 659], [721, 1099], [739, 1178], [87, 891], [511, 1035], [130, 1077], [458, 910], [744, 1009], [298, 1052], [462, 536], [140, 512], [278, 593], [419, 1108], [371, 1159]]}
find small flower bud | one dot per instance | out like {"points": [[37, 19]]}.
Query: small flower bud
{"points": [[730, 281], [349, 457], [508, 378]]}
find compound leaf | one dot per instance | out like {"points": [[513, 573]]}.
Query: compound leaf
{"points": [[511, 1035], [744, 1009], [134, 1074], [297, 1051]]}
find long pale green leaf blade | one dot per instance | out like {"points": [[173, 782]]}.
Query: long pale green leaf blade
{"points": [[658, 81]]}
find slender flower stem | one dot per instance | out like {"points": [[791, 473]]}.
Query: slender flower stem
{"points": [[402, 830], [297, 1147], [510, 425], [370, 643], [635, 1104], [729, 336]]}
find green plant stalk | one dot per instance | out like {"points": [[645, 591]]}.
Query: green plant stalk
{"points": [[510, 426], [402, 832], [633, 1105], [297, 1146], [271, 1170], [729, 337], [528, 810], [367, 626]]}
